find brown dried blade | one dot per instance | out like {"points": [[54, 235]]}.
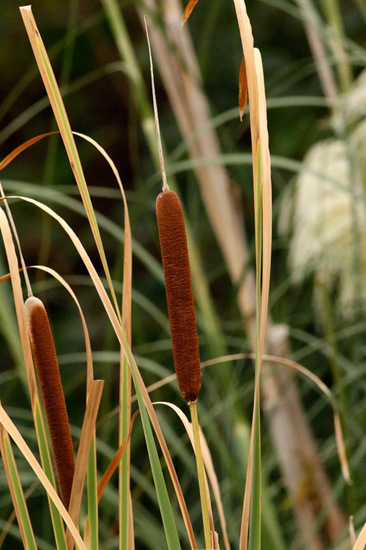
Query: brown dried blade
{"points": [[187, 12], [243, 88]]}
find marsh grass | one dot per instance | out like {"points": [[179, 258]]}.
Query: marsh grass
{"points": [[153, 500]]}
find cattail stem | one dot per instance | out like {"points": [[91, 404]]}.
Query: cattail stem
{"points": [[182, 319], [48, 372], [201, 475]]}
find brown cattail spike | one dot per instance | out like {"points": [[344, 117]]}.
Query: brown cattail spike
{"points": [[48, 372], [174, 253]]}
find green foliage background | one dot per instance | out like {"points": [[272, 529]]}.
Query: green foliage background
{"points": [[99, 103]]}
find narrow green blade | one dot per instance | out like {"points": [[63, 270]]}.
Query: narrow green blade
{"points": [[57, 522], [92, 497], [166, 511], [18, 495]]}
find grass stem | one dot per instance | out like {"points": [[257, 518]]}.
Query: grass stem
{"points": [[201, 475]]}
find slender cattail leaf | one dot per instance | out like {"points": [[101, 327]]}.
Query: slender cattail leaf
{"points": [[20, 505]]}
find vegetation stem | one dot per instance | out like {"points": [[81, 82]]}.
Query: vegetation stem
{"points": [[201, 475]]}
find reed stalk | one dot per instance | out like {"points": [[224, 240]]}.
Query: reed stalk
{"points": [[174, 252], [201, 475]]}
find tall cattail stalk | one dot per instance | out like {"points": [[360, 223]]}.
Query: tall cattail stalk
{"points": [[48, 372], [182, 319]]}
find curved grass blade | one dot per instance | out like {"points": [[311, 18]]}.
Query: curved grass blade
{"points": [[311, 376], [88, 351], [11, 156]]}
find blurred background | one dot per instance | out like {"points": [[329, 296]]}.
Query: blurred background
{"points": [[313, 56]]}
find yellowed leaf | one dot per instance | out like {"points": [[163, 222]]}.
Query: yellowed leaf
{"points": [[87, 431], [243, 88]]}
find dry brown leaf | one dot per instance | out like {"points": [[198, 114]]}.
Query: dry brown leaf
{"points": [[87, 432], [11, 156], [187, 12], [113, 465], [243, 88]]}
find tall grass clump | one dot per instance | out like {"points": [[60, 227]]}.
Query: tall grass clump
{"points": [[193, 247]]}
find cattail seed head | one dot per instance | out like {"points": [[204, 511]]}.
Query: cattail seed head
{"points": [[182, 319], [48, 372]]}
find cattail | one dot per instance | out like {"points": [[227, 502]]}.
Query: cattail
{"points": [[45, 359], [174, 253]]}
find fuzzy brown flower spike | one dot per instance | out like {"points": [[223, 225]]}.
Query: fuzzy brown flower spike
{"points": [[177, 275], [48, 372]]}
